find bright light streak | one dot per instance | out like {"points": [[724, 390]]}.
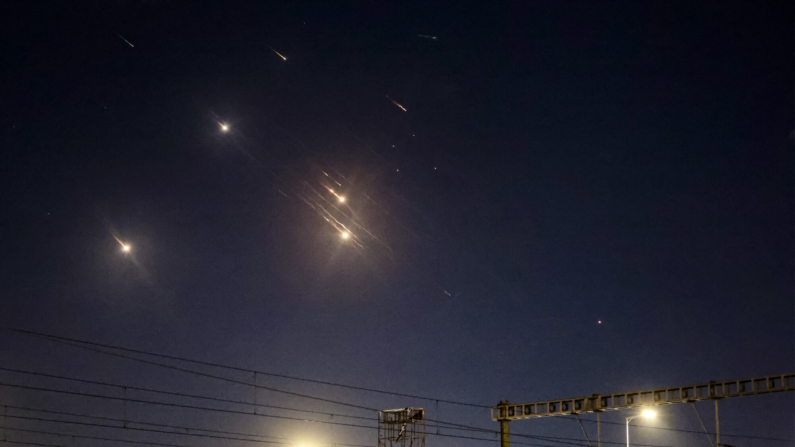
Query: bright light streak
{"points": [[224, 127], [124, 247], [278, 54], [396, 103], [345, 235], [341, 198], [648, 414], [128, 42]]}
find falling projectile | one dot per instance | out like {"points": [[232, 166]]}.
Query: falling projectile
{"points": [[122, 38], [278, 54], [396, 103], [124, 247], [425, 36]]}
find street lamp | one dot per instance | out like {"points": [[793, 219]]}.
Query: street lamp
{"points": [[646, 414]]}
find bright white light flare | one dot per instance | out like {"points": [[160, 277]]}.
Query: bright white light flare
{"points": [[648, 414]]}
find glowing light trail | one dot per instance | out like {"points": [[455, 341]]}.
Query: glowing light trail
{"points": [[128, 42], [278, 54], [396, 103], [124, 247]]}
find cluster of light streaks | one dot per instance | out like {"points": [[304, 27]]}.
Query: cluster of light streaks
{"points": [[325, 198], [339, 204]]}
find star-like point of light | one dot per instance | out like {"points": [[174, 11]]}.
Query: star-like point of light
{"points": [[125, 248], [342, 199], [345, 235], [224, 127]]}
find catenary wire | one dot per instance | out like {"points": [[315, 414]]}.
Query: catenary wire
{"points": [[173, 393], [208, 436], [202, 374], [127, 427], [8, 441], [193, 407], [198, 435], [234, 368], [448, 425], [130, 421], [58, 339]]}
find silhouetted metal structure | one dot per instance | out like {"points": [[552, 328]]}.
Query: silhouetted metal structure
{"points": [[505, 411], [402, 427]]}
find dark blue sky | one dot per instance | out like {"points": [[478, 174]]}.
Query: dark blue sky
{"points": [[560, 164]]}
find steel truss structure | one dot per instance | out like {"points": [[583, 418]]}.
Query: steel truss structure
{"points": [[506, 411], [402, 427]]}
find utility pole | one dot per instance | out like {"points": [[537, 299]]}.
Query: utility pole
{"points": [[505, 431], [717, 425], [598, 429]]}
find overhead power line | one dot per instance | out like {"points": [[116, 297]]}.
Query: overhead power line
{"points": [[173, 393], [149, 430], [168, 404], [252, 371], [75, 343], [197, 373], [188, 434], [559, 440], [99, 438], [161, 444], [130, 421], [448, 425], [8, 441], [126, 426]]}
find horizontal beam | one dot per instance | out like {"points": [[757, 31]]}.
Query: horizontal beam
{"points": [[657, 396]]}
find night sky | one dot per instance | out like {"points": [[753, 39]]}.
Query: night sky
{"points": [[542, 199]]}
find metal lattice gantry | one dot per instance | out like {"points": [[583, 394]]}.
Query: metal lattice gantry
{"points": [[506, 411], [402, 427]]}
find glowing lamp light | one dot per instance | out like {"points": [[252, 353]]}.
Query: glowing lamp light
{"points": [[648, 414]]}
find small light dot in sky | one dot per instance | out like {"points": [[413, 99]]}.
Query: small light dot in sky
{"points": [[600, 321], [342, 199], [224, 127], [125, 248], [345, 235]]}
